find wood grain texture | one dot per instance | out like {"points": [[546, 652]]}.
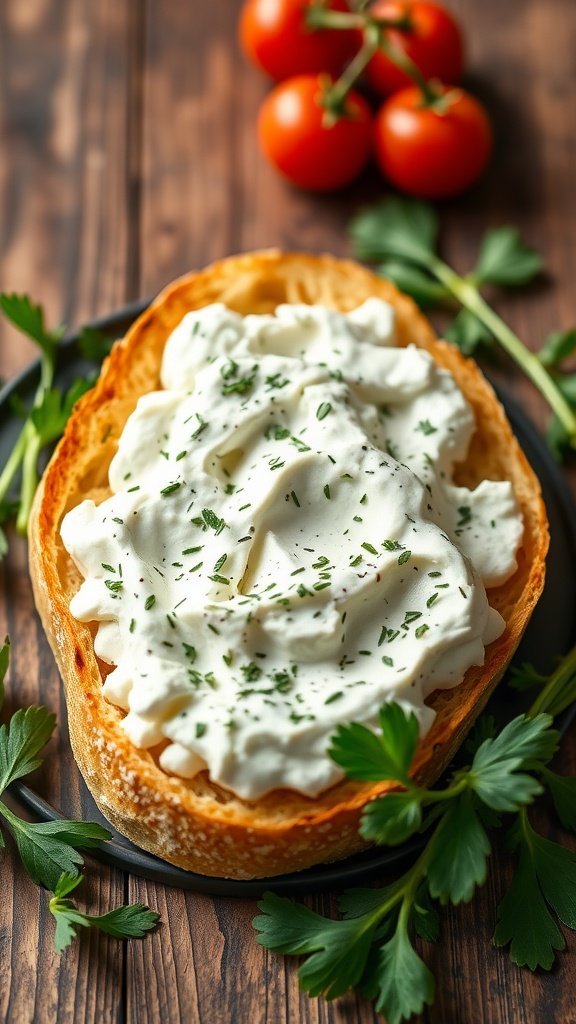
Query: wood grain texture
{"points": [[129, 156]]}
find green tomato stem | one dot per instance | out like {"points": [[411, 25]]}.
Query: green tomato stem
{"points": [[469, 296], [318, 17], [321, 17], [430, 94], [337, 93]]}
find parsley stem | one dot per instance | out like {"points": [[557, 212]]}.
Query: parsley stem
{"points": [[13, 462], [29, 479], [432, 796], [469, 296], [560, 690]]}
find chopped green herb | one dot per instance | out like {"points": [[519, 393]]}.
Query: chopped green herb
{"points": [[170, 488], [323, 410]]}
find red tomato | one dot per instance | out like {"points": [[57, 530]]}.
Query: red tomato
{"points": [[300, 138], [275, 37], [434, 43], [432, 151]]}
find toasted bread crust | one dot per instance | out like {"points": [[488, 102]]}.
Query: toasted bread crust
{"points": [[195, 824]]}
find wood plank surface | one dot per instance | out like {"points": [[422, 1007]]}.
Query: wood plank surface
{"points": [[128, 157]]}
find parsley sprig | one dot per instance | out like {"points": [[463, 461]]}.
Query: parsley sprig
{"points": [[51, 407], [131, 921], [50, 850], [401, 237], [371, 946]]}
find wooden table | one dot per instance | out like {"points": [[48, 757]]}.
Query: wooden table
{"points": [[128, 157]]}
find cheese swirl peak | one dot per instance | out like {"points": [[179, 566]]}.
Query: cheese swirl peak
{"points": [[284, 548]]}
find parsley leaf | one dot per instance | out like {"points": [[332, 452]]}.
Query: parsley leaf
{"points": [[404, 232], [124, 922], [557, 347], [29, 319], [339, 948], [544, 884], [21, 741], [459, 853], [505, 259], [368, 757], [563, 792], [525, 677], [405, 984], [494, 773], [396, 227], [425, 916], [50, 849], [468, 333], [392, 818], [414, 282], [47, 848], [94, 344], [371, 947]]}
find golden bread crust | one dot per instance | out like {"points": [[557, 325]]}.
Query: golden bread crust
{"points": [[193, 823]]}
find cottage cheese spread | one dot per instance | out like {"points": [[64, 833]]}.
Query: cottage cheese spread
{"points": [[284, 548]]}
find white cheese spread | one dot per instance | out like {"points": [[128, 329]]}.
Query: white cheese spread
{"points": [[284, 548]]}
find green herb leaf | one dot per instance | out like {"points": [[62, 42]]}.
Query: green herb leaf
{"points": [[21, 741], [505, 259], [525, 922], [132, 921], [414, 282], [425, 916], [460, 851], [48, 848], [524, 740], [94, 344], [468, 333], [557, 439], [368, 757], [525, 677], [405, 983], [563, 791], [339, 948], [392, 818], [29, 319], [557, 347], [396, 227], [360, 902], [545, 881]]}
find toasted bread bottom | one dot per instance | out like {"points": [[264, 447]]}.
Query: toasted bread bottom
{"points": [[195, 824]]}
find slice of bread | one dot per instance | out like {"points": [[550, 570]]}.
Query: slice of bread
{"points": [[196, 824]]}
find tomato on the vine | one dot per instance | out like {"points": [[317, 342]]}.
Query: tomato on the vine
{"points": [[275, 36], [433, 42], [432, 150], [313, 147]]}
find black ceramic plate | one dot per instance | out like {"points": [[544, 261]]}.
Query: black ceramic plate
{"points": [[552, 629]]}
